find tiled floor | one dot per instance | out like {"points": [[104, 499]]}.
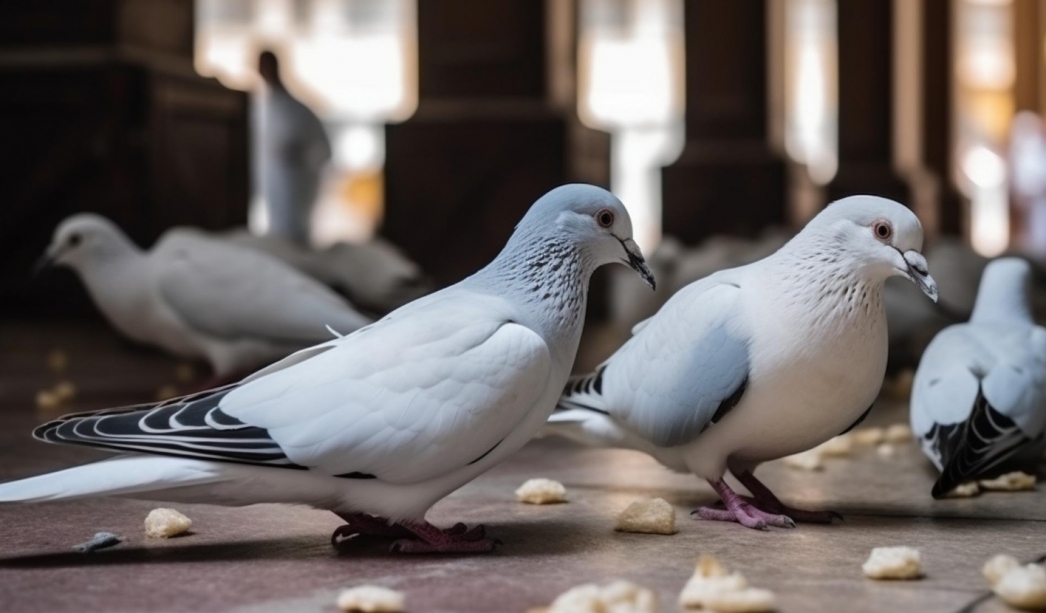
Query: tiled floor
{"points": [[269, 558]]}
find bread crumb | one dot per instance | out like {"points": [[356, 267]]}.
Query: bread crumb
{"points": [[898, 433], [649, 516], [893, 563], [886, 450], [47, 399], [57, 360], [713, 587], [371, 599], [165, 523], [541, 491], [617, 597], [811, 459], [1023, 587], [868, 437], [998, 566], [1010, 482], [166, 392], [65, 391], [748, 600], [836, 447], [965, 490]]}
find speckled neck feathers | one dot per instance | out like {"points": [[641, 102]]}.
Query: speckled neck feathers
{"points": [[824, 287], [548, 276]]}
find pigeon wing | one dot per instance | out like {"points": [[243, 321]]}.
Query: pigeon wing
{"points": [[233, 292]]}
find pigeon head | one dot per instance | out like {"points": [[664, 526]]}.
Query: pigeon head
{"points": [[83, 239], [1004, 292], [884, 237], [588, 217]]}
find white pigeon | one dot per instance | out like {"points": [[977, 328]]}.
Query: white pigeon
{"points": [[379, 425], [292, 152], [979, 395], [758, 362], [375, 275], [198, 297]]}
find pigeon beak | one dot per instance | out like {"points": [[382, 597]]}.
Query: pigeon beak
{"points": [[42, 263], [638, 263], [919, 273]]}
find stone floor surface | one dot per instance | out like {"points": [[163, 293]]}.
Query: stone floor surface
{"points": [[272, 559]]}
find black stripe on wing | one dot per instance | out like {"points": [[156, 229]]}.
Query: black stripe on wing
{"points": [[191, 426], [988, 441]]}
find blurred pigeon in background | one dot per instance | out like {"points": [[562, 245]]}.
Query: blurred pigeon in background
{"points": [[293, 150], [756, 363], [375, 276], [979, 397], [198, 297], [379, 425]]}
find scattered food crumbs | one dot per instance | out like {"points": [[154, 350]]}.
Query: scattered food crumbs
{"points": [[811, 459], [184, 373], [166, 392], [1010, 482], [713, 587], [100, 540], [898, 433], [748, 600], [648, 516], [868, 437], [47, 399], [541, 491], [617, 597], [65, 391], [998, 566], [371, 599], [965, 490], [893, 563], [165, 523], [1023, 587], [886, 450], [57, 360], [836, 447]]}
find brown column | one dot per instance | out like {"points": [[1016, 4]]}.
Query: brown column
{"points": [[937, 110], [728, 179], [102, 111], [489, 136], [866, 122]]}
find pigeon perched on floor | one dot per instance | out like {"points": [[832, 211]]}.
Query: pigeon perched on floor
{"points": [[379, 425], [979, 396], [293, 150], [374, 276], [198, 297], [759, 362]]}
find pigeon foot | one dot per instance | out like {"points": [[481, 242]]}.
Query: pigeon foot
{"points": [[741, 511], [764, 499], [457, 539]]}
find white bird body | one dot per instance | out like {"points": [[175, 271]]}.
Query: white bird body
{"points": [[979, 395], [389, 419], [190, 294], [758, 362]]}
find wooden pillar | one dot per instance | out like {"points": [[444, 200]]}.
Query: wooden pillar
{"points": [[727, 179], [866, 103], [937, 112], [101, 110], [495, 129]]}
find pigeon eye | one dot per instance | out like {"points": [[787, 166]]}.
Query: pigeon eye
{"points": [[74, 240], [605, 217], [882, 230]]}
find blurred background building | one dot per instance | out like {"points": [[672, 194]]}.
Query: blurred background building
{"points": [[447, 118]]}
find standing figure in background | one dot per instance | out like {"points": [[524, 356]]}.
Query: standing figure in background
{"points": [[291, 152]]}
